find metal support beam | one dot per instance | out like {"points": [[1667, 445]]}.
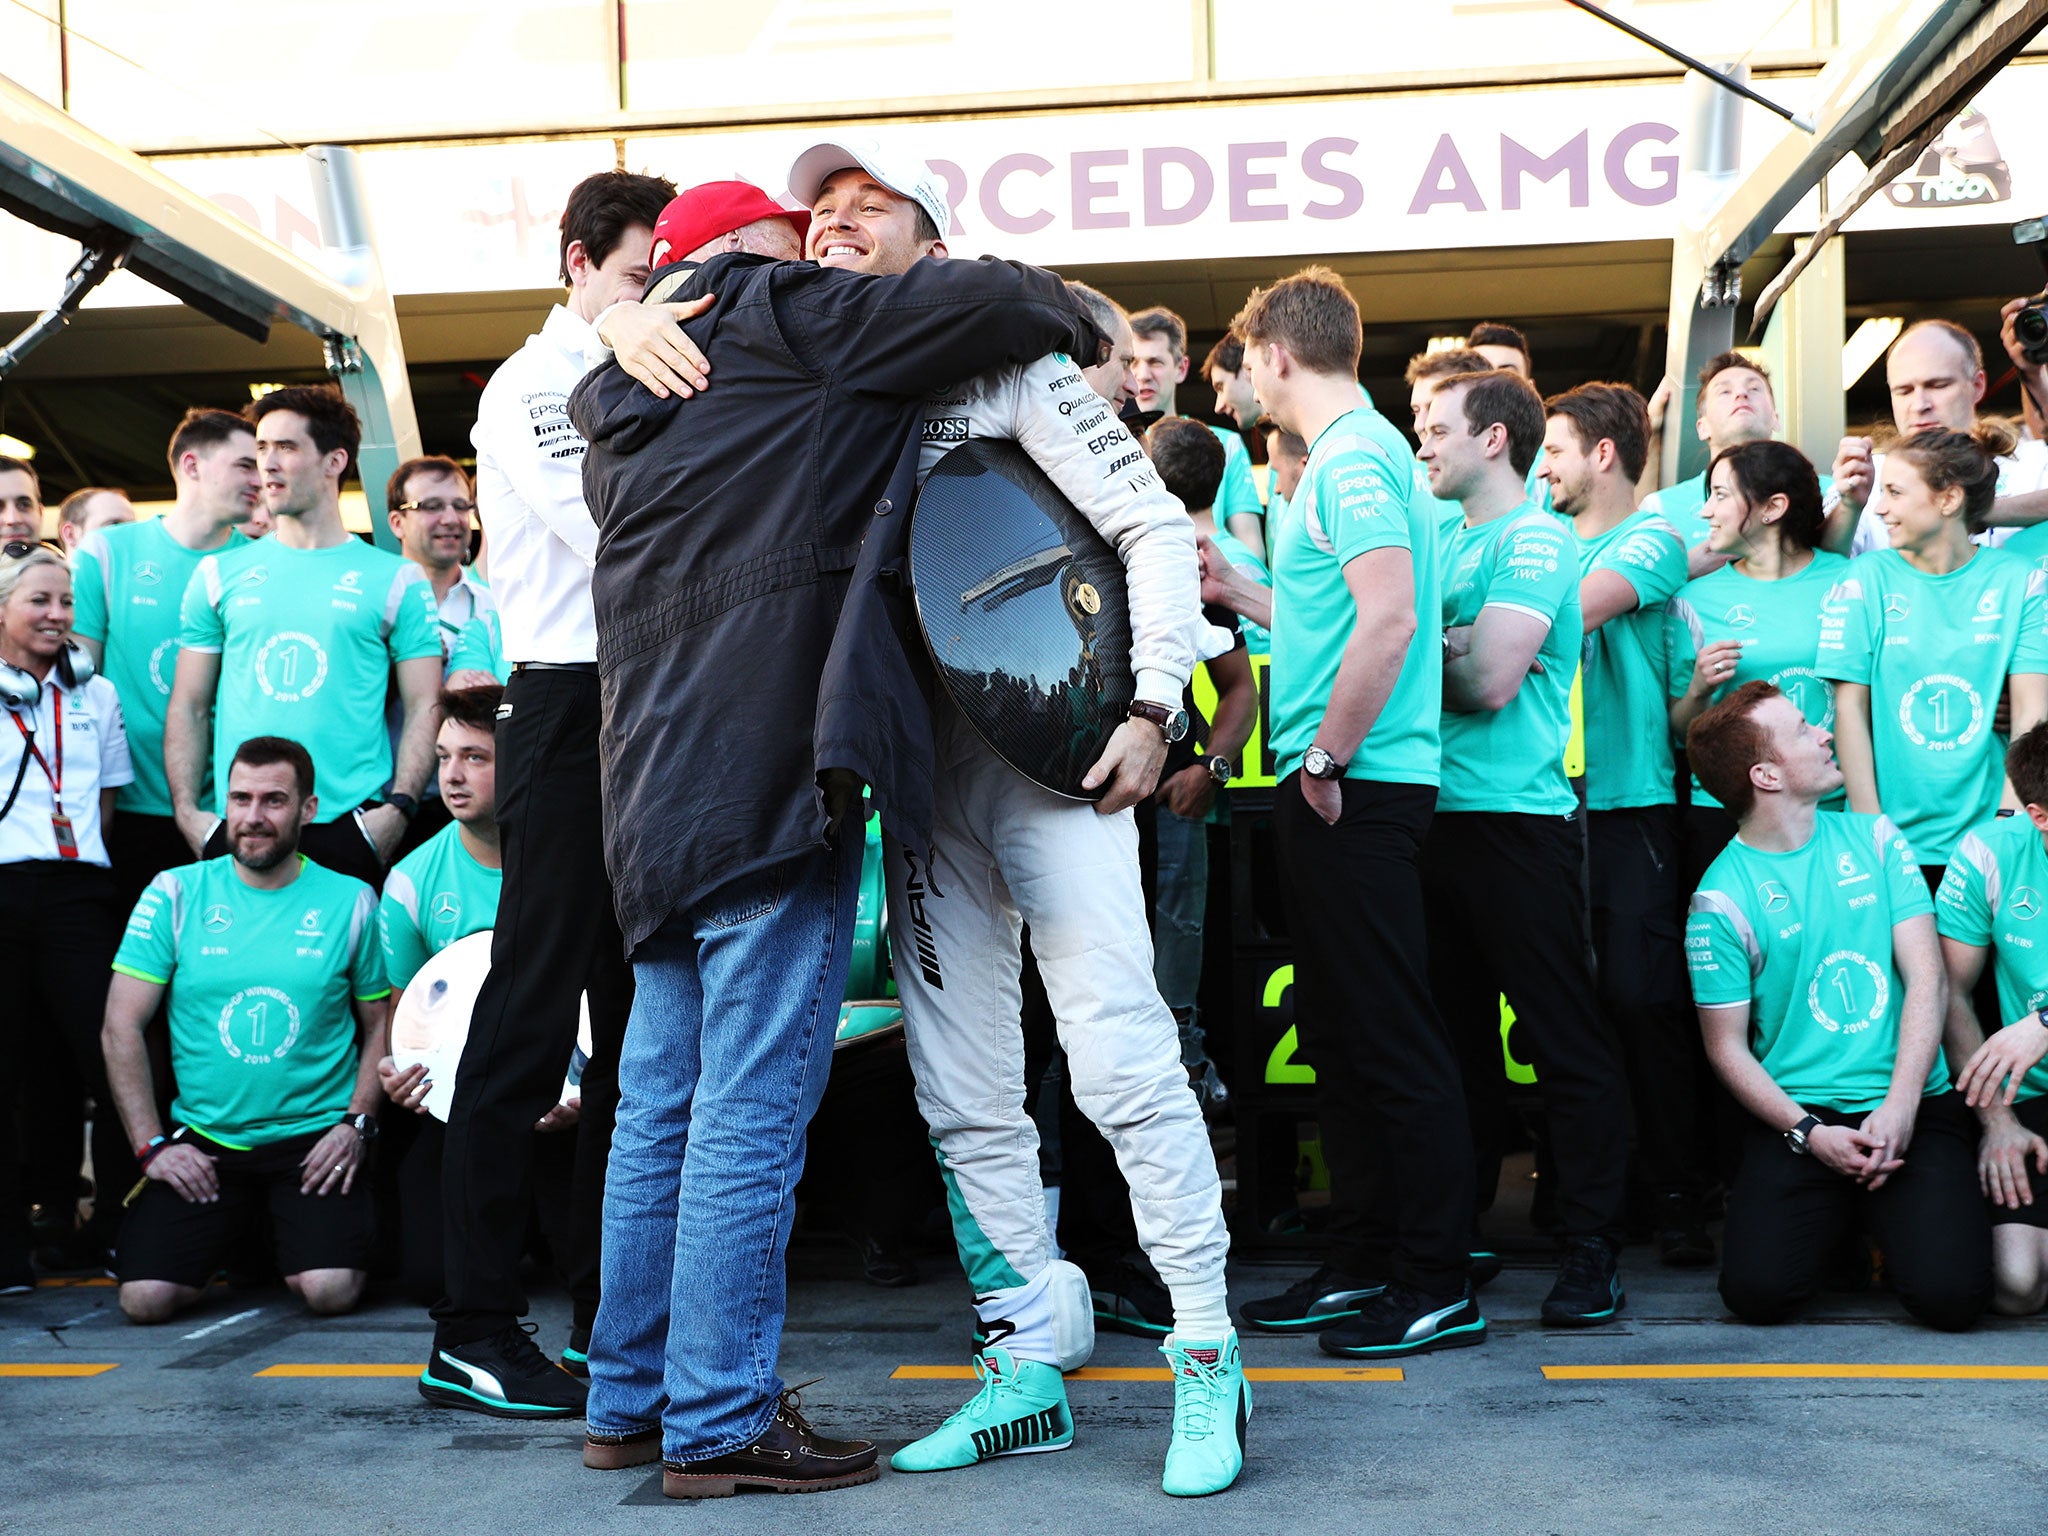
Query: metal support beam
{"points": [[1803, 349], [370, 366]]}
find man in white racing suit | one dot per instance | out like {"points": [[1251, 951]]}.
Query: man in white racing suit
{"points": [[1007, 852], [1004, 850]]}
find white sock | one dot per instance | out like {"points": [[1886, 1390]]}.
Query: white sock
{"points": [[1201, 1310]]}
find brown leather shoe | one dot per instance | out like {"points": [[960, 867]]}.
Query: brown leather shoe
{"points": [[789, 1457], [611, 1453]]}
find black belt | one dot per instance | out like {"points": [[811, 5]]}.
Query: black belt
{"points": [[555, 666]]}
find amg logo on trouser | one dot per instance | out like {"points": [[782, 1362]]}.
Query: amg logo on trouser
{"points": [[1032, 1429], [921, 926]]}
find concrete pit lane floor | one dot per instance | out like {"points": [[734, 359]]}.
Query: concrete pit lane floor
{"points": [[250, 1416]]}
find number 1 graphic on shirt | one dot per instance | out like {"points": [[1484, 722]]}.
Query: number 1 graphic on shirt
{"points": [[1938, 702], [1845, 992], [289, 666], [259, 1024]]}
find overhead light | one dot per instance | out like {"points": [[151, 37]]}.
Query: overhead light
{"points": [[1869, 342], [1444, 344], [15, 448], [258, 391]]}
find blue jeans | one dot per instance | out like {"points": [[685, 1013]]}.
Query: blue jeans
{"points": [[724, 1063]]}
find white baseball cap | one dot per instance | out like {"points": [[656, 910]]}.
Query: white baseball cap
{"points": [[904, 176]]}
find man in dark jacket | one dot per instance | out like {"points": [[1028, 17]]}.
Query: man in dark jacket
{"points": [[728, 536]]}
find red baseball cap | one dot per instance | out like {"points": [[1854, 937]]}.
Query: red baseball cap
{"points": [[712, 209]]}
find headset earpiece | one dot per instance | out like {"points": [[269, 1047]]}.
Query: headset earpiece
{"points": [[18, 689], [74, 665]]}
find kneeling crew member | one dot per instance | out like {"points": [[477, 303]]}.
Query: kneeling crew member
{"points": [[1990, 900], [1820, 988], [277, 1015]]}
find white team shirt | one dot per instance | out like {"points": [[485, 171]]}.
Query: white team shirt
{"points": [[529, 491], [95, 758]]}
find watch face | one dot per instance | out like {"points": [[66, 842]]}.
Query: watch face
{"points": [[1177, 725]]}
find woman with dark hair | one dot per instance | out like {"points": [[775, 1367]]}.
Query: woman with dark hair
{"points": [[1934, 627], [1757, 618]]}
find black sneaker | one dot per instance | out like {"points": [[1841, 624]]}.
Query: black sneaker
{"points": [[576, 1354], [1129, 1300], [505, 1375], [1327, 1297], [1588, 1290], [1403, 1321], [1682, 1240], [1485, 1262], [17, 1277]]}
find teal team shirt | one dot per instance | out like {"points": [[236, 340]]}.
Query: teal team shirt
{"points": [[1623, 693], [1994, 894], [433, 896], [480, 646], [1805, 938], [1512, 759], [263, 1034], [1778, 623], [128, 582], [307, 639], [1234, 549], [1935, 652], [2030, 544], [1356, 495], [1684, 506], [1237, 493]]}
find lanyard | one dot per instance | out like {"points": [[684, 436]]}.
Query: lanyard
{"points": [[55, 777]]}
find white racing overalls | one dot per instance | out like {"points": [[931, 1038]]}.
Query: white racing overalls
{"points": [[1007, 851]]}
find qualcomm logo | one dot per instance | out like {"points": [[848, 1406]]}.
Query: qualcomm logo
{"points": [[1741, 616], [218, 919], [2025, 904], [1775, 897], [149, 573]]}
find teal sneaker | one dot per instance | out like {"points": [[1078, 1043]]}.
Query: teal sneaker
{"points": [[1021, 1409], [1212, 1403]]}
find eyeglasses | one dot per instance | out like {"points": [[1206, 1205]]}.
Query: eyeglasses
{"points": [[435, 506], [21, 549]]}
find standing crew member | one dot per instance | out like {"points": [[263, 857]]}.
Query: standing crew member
{"points": [[556, 937], [131, 578], [1501, 865], [302, 636], [1161, 348]]}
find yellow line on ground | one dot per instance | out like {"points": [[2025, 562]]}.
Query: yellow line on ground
{"points": [[412, 1369], [1763, 1371], [66, 1368], [1160, 1373], [61, 1283]]}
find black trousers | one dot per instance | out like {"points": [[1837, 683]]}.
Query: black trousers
{"points": [[1390, 1103], [557, 937], [421, 1222], [1704, 830], [1503, 897], [1639, 947], [1786, 1213], [58, 915], [141, 848]]}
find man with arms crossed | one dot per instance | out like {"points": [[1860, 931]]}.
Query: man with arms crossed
{"points": [[277, 1006], [1501, 865], [1820, 989], [130, 579], [301, 636], [1990, 900]]}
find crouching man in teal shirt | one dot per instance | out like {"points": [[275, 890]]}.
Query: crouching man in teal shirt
{"points": [[1821, 992]]}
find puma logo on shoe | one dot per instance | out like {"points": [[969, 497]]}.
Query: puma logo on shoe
{"points": [[1018, 1434]]}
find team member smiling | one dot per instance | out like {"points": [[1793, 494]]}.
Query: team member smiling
{"points": [[1934, 626]]}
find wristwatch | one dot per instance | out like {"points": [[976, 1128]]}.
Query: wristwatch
{"points": [[1221, 769], [365, 1126], [405, 805], [1172, 723], [2041, 1017], [1796, 1137], [1318, 764]]}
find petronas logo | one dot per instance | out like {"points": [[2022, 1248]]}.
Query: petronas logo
{"points": [[1018, 1434]]}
